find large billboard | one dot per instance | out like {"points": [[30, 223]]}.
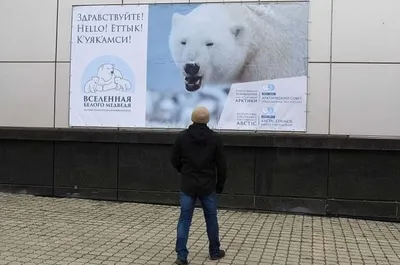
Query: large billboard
{"points": [[150, 65]]}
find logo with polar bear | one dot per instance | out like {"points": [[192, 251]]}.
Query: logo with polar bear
{"points": [[108, 78]]}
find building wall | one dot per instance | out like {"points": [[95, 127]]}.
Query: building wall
{"points": [[353, 65]]}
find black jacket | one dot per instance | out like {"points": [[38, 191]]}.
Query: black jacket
{"points": [[198, 155]]}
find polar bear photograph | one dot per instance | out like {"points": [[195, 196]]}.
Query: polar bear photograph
{"points": [[235, 43], [211, 46]]}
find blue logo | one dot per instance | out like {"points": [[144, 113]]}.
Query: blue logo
{"points": [[269, 110], [268, 113], [108, 73], [268, 87]]}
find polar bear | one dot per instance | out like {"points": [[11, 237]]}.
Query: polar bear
{"points": [[218, 44], [107, 73], [122, 84], [91, 85]]}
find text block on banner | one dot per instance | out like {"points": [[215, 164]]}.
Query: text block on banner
{"points": [[108, 66], [274, 105]]}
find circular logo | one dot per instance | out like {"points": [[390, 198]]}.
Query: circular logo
{"points": [[268, 87], [108, 73], [268, 110]]}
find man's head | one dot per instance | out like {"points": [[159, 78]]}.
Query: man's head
{"points": [[200, 115]]}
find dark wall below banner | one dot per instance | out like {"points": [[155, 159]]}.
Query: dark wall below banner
{"points": [[308, 174]]}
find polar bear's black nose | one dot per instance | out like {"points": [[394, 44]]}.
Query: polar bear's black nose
{"points": [[192, 68]]}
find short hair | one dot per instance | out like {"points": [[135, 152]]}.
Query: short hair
{"points": [[200, 115]]}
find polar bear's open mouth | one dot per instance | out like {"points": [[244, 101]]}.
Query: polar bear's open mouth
{"points": [[193, 83]]}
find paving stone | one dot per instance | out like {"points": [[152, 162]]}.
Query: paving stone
{"points": [[39, 230]]}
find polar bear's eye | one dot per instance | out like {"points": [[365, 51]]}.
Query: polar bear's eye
{"points": [[209, 44], [183, 42]]}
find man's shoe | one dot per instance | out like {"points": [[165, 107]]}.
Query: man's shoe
{"points": [[220, 255], [181, 262]]}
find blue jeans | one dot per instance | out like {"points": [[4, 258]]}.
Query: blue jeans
{"points": [[209, 205]]}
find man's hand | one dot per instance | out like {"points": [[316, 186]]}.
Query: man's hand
{"points": [[219, 189]]}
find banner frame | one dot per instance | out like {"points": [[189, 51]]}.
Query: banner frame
{"points": [[169, 129]]}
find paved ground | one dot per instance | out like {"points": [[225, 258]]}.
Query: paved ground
{"points": [[35, 230]]}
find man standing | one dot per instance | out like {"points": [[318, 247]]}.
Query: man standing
{"points": [[198, 156]]}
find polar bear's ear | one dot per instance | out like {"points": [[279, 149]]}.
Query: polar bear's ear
{"points": [[176, 18], [237, 31]]}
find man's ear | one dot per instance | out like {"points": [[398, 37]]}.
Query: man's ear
{"points": [[176, 18], [237, 31]]}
